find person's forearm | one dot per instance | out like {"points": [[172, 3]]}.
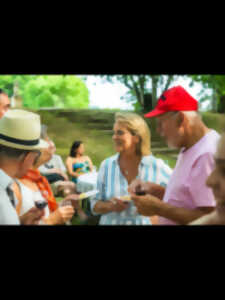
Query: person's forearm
{"points": [[179, 215], [22, 220], [103, 207], [74, 174], [205, 220]]}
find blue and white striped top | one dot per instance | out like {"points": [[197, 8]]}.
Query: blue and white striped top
{"points": [[112, 183]]}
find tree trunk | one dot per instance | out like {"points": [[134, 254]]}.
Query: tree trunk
{"points": [[214, 101], [214, 95], [147, 102], [154, 90], [221, 105]]}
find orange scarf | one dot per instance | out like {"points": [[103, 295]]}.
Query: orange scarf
{"points": [[43, 186]]}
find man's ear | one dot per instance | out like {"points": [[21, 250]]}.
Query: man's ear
{"points": [[26, 157], [181, 118]]}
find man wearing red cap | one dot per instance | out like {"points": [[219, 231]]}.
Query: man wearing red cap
{"points": [[186, 197]]}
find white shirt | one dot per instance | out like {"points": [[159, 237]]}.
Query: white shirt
{"points": [[28, 199], [8, 214], [87, 182], [112, 183], [55, 162]]}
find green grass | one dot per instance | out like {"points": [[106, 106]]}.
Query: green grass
{"points": [[215, 121], [93, 128]]}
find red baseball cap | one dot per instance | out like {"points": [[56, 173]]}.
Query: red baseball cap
{"points": [[173, 99]]}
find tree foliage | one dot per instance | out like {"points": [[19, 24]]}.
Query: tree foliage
{"points": [[62, 91], [217, 84], [143, 89]]}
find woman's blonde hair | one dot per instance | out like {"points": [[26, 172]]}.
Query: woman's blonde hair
{"points": [[137, 126]]}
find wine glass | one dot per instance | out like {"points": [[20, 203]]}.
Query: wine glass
{"points": [[39, 203]]}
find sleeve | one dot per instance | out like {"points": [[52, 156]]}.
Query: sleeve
{"points": [[43, 169], [100, 187], [202, 196], [61, 164], [164, 173]]}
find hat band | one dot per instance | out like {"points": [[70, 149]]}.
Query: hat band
{"points": [[18, 141]]}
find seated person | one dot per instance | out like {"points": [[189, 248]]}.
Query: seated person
{"points": [[54, 166], [33, 186], [77, 163], [54, 169]]}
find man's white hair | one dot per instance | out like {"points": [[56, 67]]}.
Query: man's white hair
{"points": [[192, 115]]}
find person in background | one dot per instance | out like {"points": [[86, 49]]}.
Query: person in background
{"points": [[132, 143], [216, 181], [186, 197], [77, 163], [4, 103], [54, 169], [20, 146]]}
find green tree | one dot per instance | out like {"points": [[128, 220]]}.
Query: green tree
{"points": [[63, 91], [217, 84], [7, 82], [143, 89]]}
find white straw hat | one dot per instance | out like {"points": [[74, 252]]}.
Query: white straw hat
{"points": [[21, 129]]}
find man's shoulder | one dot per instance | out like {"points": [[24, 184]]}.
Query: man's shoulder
{"points": [[211, 138], [56, 157], [207, 146], [5, 180]]}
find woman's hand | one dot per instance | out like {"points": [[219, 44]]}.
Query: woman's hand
{"points": [[146, 187], [74, 199], [60, 215], [146, 205], [32, 217], [114, 204], [137, 184], [118, 205]]}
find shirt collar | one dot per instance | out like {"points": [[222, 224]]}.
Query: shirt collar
{"points": [[144, 160], [5, 180]]}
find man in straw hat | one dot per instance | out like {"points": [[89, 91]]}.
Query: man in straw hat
{"points": [[20, 146], [186, 197]]}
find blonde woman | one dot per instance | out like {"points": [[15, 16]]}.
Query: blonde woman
{"points": [[133, 160]]}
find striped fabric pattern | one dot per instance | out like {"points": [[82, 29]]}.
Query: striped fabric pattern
{"points": [[112, 183]]}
